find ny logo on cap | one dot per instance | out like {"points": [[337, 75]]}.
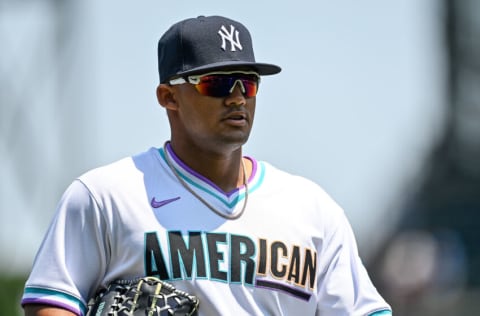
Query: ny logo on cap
{"points": [[229, 36]]}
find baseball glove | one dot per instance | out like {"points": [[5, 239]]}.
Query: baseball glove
{"points": [[148, 296]]}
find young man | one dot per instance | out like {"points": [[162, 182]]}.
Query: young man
{"points": [[241, 235]]}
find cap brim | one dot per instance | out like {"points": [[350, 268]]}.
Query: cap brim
{"points": [[262, 68]]}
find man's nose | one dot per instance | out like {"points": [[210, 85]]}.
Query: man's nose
{"points": [[236, 96]]}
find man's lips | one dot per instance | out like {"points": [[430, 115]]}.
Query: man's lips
{"points": [[237, 118]]}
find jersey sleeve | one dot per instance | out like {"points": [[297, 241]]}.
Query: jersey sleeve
{"points": [[344, 285], [73, 256]]}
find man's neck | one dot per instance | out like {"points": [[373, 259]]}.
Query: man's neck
{"points": [[223, 169]]}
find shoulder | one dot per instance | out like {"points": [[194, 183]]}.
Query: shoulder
{"points": [[299, 193], [116, 172], [293, 183], [126, 175]]}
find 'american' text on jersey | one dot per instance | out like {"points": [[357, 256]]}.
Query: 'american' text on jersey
{"points": [[229, 258]]}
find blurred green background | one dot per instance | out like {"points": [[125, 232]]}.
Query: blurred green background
{"points": [[11, 289]]}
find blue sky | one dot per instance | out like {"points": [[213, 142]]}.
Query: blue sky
{"points": [[356, 108]]}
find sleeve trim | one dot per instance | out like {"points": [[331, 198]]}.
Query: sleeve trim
{"points": [[37, 295]]}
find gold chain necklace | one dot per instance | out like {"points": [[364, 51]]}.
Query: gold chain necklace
{"points": [[189, 189]]}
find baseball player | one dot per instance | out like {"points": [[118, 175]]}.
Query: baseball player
{"points": [[243, 236]]}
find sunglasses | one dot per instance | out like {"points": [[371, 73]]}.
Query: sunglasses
{"points": [[221, 84]]}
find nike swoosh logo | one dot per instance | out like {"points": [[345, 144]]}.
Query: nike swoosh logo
{"points": [[156, 204]]}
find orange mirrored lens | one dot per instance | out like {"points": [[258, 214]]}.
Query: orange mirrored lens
{"points": [[221, 85]]}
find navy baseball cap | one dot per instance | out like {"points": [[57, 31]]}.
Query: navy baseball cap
{"points": [[205, 44]]}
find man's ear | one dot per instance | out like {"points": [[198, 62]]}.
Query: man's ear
{"points": [[166, 97]]}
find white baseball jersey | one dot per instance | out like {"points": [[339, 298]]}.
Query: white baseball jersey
{"points": [[292, 252]]}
